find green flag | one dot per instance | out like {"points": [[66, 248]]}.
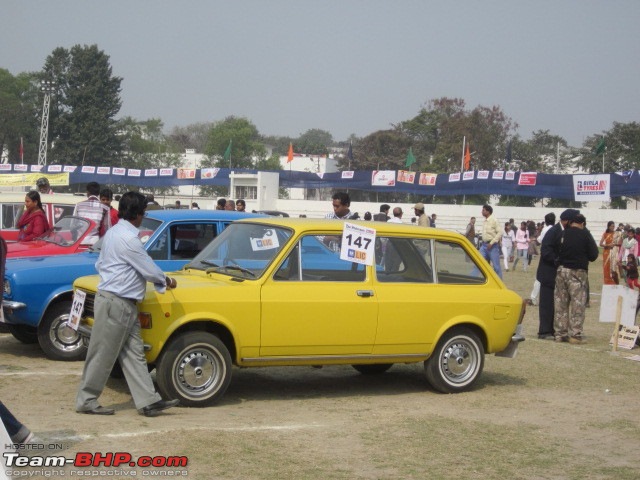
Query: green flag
{"points": [[227, 152], [410, 159], [600, 148]]}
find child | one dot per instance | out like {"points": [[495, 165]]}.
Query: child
{"points": [[631, 269]]}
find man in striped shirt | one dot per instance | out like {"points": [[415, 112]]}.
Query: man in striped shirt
{"points": [[93, 209]]}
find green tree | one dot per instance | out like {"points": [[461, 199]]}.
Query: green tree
{"points": [[314, 142], [192, 136], [246, 145], [18, 115], [83, 109]]}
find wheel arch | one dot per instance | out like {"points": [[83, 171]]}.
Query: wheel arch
{"points": [[204, 325], [55, 298], [472, 323]]}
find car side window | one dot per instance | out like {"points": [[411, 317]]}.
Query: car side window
{"points": [[159, 250], [187, 240], [312, 261], [455, 266], [11, 213], [403, 260]]}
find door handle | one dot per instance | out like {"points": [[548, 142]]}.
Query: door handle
{"points": [[365, 293]]}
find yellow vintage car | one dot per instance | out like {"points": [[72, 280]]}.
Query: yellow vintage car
{"points": [[282, 291]]}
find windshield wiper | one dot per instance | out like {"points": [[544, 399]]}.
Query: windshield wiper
{"points": [[239, 268], [205, 262]]}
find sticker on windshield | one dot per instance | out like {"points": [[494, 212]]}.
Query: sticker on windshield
{"points": [[358, 244], [267, 242]]}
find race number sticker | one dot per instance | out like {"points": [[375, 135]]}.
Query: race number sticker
{"points": [[268, 242], [358, 244], [77, 307]]}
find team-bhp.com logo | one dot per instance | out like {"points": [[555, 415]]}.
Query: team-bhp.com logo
{"points": [[99, 460]]}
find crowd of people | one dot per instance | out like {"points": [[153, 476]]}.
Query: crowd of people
{"points": [[561, 283]]}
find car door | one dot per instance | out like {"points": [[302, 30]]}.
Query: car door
{"points": [[317, 304], [418, 294]]}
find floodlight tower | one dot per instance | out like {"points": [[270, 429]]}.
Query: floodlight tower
{"points": [[47, 87]]}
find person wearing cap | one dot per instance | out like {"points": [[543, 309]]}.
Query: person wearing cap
{"points": [[546, 273], [549, 222], [491, 235], [383, 216], [43, 186], [423, 220], [577, 249]]}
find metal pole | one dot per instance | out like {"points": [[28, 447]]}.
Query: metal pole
{"points": [[47, 87]]}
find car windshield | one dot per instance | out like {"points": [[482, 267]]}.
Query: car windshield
{"points": [[66, 231], [243, 250], [145, 231]]}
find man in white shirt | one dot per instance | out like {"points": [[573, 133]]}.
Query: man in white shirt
{"points": [[397, 216], [125, 268]]}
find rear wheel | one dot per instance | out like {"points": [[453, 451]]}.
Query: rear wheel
{"points": [[373, 369], [23, 333], [194, 368], [58, 340], [457, 361]]}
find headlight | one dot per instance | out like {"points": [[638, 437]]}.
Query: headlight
{"points": [[7, 287]]}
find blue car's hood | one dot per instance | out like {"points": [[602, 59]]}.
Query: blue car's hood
{"points": [[15, 265]]}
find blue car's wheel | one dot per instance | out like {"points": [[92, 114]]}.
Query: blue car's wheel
{"points": [[58, 340]]}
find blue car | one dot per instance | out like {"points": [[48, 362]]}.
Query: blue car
{"points": [[38, 290]]}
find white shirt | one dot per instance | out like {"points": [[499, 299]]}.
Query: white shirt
{"points": [[394, 220], [124, 265]]}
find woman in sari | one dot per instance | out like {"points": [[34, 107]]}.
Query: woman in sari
{"points": [[629, 246], [610, 242], [33, 222]]}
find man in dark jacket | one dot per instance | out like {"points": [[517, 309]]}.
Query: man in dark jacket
{"points": [[383, 216], [577, 249], [546, 274]]}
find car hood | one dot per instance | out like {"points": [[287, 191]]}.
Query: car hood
{"points": [[15, 265]]}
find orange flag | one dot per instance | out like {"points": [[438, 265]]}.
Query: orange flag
{"points": [[290, 154], [467, 158]]}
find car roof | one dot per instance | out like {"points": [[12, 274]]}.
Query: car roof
{"points": [[312, 224], [184, 214]]}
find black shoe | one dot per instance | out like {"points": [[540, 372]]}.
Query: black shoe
{"points": [[155, 408], [546, 336], [98, 411]]}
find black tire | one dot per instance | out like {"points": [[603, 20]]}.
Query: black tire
{"points": [[23, 333], [457, 361], [373, 369], [56, 338], [195, 368]]}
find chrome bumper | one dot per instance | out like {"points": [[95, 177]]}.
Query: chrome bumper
{"points": [[11, 305]]}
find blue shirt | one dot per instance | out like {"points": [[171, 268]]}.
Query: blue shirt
{"points": [[124, 265]]}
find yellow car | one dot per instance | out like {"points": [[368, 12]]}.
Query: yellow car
{"points": [[282, 291]]}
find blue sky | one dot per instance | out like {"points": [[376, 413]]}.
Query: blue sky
{"points": [[349, 66]]}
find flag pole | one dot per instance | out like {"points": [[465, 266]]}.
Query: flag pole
{"points": [[464, 140]]}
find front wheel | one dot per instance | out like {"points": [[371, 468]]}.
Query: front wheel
{"points": [[57, 339], [457, 361], [195, 368], [23, 333]]}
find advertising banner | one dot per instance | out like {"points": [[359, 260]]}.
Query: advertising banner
{"points": [[588, 188]]}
